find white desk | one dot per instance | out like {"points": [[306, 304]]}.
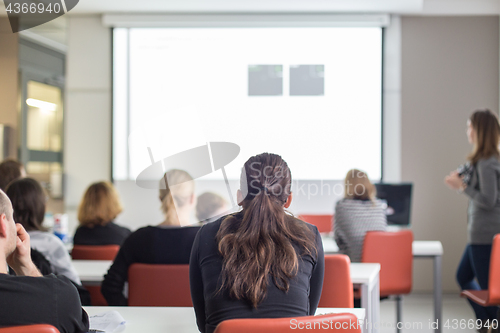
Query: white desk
{"points": [[175, 320], [421, 249], [366, 276]]}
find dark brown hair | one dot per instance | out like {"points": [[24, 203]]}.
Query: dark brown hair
{"points": [[9, 170], [28, 201], [261, 244], [487, 131], [100, 205]]}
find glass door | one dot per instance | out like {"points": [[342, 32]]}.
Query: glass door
{"points": [[41, 139]]}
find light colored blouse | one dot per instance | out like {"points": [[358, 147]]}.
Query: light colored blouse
{"points": [[55, 252], [353, 219]]}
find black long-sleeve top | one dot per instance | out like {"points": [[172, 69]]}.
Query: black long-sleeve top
{"points": [[148, 245], [108, 234], [49, 300], [212, 308]]}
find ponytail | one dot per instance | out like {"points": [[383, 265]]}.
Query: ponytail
{"points": [[183, 192], [262, 243]]}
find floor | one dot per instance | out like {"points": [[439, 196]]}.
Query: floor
{"points": [[418, 314]]}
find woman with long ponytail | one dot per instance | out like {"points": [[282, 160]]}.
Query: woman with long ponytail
{"points": [[260, 262]]}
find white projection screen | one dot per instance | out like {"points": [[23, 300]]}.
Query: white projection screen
{"points": [[311, 95]]}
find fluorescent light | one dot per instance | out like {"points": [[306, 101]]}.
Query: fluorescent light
{"points": [[36, 103]]}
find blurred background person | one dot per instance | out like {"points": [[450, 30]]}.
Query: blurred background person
{"points": [[10, 170], [100, 205], [210, 206]]}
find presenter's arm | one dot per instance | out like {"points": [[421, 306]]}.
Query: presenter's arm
{"points": [[317, 277], [196, 283], [487, 195]]}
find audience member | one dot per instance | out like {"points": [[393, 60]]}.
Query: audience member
{"points": [[210, 207], [357, 213], [168, 243], [260, 262], [100, 205], [30, 298], [28, 200], [10, 170]]}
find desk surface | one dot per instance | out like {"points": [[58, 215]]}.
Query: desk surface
{"points": [[176, 320], [420, 248], [92, 271]]}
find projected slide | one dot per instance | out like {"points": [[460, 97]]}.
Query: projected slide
{"points": [[312, 95]]}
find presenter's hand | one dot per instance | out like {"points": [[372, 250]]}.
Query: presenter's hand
{"points": [[454, 181], [20, 259]]}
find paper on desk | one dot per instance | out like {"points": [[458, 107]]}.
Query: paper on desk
{"points": [[109, 322]]}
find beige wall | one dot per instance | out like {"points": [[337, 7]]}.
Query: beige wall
{"points": [[449, 67], [87, 138], [9, 79]]}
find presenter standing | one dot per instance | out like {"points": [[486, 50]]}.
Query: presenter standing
{"points": [[479, 179]]}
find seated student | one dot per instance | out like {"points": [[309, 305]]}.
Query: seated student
{"points": [[260, 262], [28, 200], [356, 214], [10, 170], [30, 298], [210, 207], [99, 207], [168, 243]]}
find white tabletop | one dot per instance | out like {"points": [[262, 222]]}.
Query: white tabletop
{"points": [[176, 320], [91, 270], [419, 248], [364, 273]]}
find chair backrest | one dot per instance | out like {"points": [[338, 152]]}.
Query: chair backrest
{"points": [[345, 322], [337, 286], [40, 328], [494, 278], [393, 250], [324, 223], [94, 252], [159, 285]]}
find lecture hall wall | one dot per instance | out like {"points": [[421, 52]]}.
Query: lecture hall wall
{"points": [[448, 67]]}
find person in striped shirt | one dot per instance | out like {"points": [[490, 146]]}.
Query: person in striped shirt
{"points": [[357, 213]]}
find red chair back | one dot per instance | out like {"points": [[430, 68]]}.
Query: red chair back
{"points": [[40, 328], [95, 252], [393, 250], [345, 322], [159, 285], [494, 278], [324, 223], [337, 287]]}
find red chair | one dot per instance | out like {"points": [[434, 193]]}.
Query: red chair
{"points": [[324, 223], [159, 285], [393, 250], [337, 287], [491, 296], [95, 252], [40, 328], [345, 322]]}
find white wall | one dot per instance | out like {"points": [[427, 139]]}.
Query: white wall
{"points": [[87, 137]]}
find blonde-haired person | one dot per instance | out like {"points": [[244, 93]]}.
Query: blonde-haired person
{"points": [[357, 213], [169, 242], [479, 179], [210, 207], [100, 205]]}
